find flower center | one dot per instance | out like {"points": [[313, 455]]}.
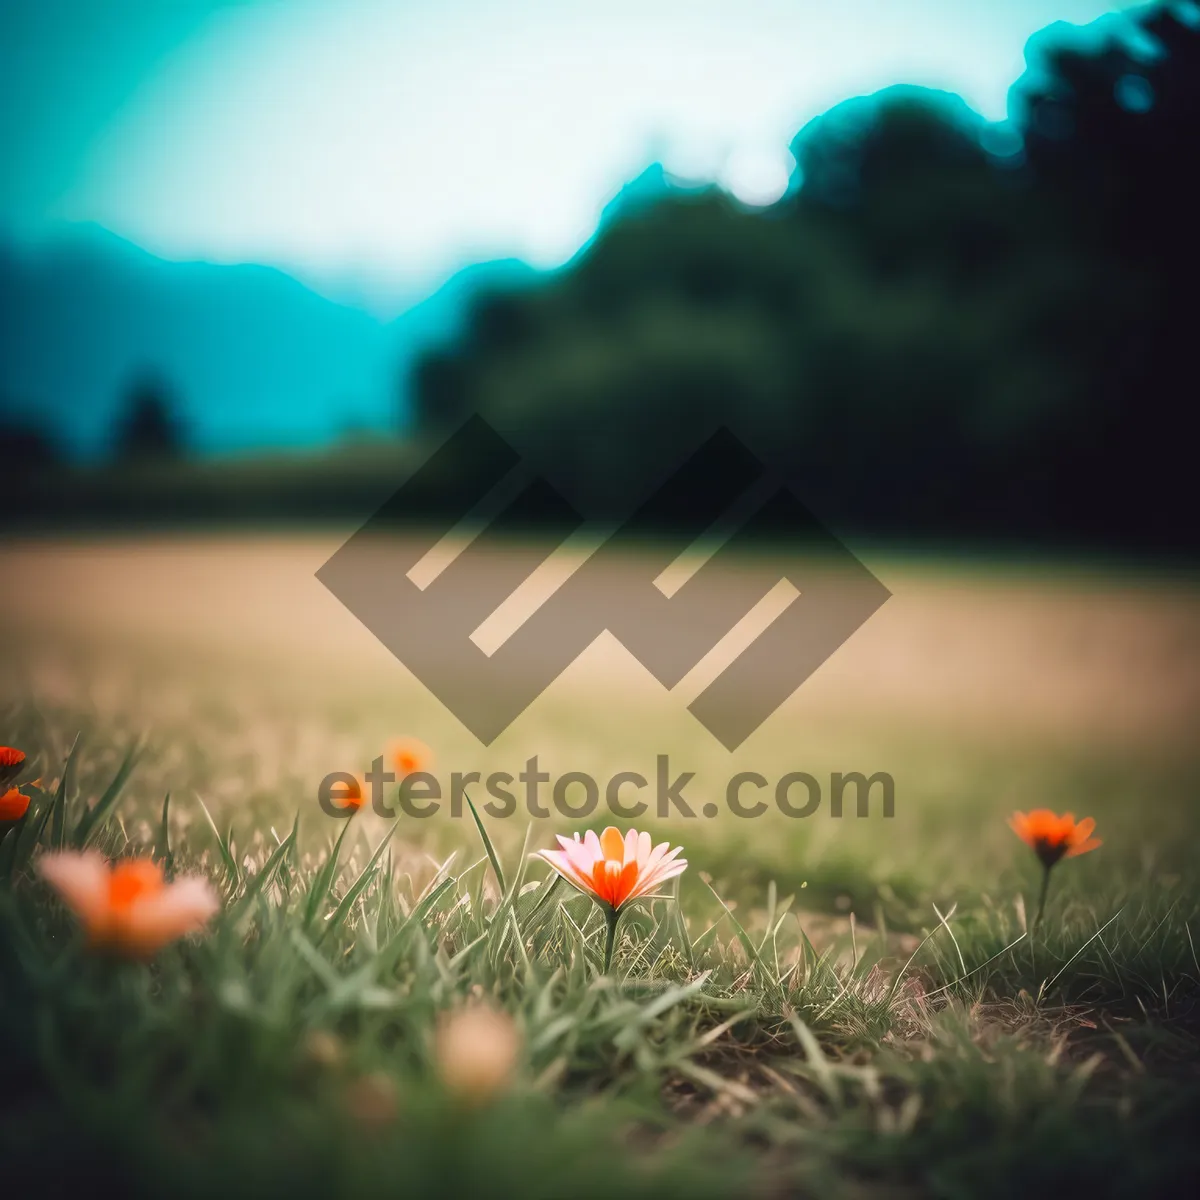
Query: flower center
{"points": [[132, 879], [613, 881], [1050, 850]]}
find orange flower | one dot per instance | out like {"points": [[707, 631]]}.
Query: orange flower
{"points": [[13, 804], [1052, 837], [406, 756], [351, 795], [11, 762], [128, 908], [615, 869]]}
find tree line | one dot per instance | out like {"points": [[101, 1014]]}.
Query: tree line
{"points": [[948, 328]]}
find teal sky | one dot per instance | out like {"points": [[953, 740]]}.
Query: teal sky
{"points": [[379, 144]]}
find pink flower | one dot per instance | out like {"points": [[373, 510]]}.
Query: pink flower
{"points": [[615, 869]]}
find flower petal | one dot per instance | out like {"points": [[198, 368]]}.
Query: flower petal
{"points": [[629, 851], [1083, 830], [584, 856], [652, 880], [565, 865], [644, 846], [613, 844], [179, 908], [592, 843], [625, 884], [13, 804], [81, 879]]}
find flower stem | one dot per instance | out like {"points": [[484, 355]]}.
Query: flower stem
{"points": [[1042, 900], [610, 916]]}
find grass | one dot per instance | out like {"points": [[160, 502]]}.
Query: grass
{"points": [[830, 1008], [723, 1052]]}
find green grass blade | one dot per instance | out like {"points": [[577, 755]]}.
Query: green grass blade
{"points": [[514, 889], [258, 881], [226, 854], [93, 819], [58, 819], [488, 847], [627, 1036], [322, 884], [742, 936], [25, 838], [818, 1065], [548, 890], [681, 926], [163, 847], [356, 889], [391, 952]]}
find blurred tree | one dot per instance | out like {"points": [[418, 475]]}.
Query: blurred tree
{"points": [[1113, 134], [149, 429], [949, 328], [25, 448], [440, 389]]}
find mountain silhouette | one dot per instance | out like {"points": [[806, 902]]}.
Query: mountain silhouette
{"points": [[253, 358]]}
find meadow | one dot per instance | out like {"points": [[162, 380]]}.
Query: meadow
{"points": [[850, 1006]]}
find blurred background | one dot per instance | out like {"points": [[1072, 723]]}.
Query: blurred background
{"points": [[278, 246], [937, 261]]}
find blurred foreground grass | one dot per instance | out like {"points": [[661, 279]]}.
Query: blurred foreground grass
{"points": [[871, 1015]]}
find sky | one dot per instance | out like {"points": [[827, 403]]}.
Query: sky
{"points": [[372, 147]]}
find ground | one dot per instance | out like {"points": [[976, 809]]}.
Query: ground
{"points": [[830, 1006]]}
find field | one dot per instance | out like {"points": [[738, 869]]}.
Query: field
{"points": [[838, 1007]]}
